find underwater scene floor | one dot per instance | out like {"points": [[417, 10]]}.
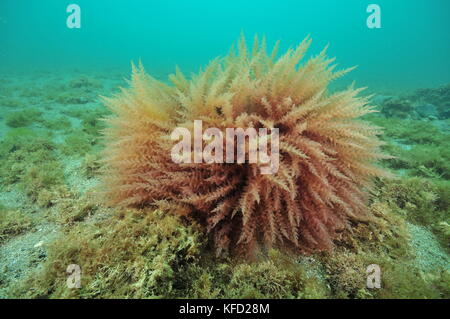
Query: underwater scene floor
{"points": [[51, 217]]}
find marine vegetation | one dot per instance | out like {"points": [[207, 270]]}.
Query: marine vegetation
{"points": [[437, 96], [327, 154], [51, 216], [13, 223], [22, 118]]}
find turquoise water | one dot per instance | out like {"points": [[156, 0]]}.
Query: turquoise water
{"points": [[51, 147], [411, 49]]}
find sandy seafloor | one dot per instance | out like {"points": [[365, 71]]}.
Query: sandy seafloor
{"points": [[51, 95], [63, 108]]}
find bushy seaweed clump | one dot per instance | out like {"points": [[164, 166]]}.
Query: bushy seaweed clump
{"points": [[327, 154]]}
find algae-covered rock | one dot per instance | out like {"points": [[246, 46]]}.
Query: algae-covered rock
{"points": [[399, 108], [440, 97], [427, 110]]}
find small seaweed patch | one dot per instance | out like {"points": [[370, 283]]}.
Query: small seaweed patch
{"points": [[93, 122], [69, 208], [29, 161], [279, 276], [13, 223], [91, 165], [78, 143], [429, 161], [57, 123], [74, 112], [397, 107], [84, 82], [40, 179], [10, 102], [420, 201], [70, 97], [23, 118], [80, 90], [400, 278], [439, 96]]}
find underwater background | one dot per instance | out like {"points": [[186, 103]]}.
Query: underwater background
{"points": [[410, 50], [51, 78]]}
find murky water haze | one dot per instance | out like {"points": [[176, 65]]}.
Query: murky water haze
{"points": [[411, 49]]}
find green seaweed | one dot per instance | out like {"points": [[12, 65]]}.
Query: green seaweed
{"points": [[13, 223], [84, 82], [93, 123], [142, 253], [77, 144], [23, 118], [440, 97], [57, 123], [10, 102], [279, 276], [409, 131], [71, 97], [91, 165], [421, 201], [429, 160], [397, 107], [136, 254], [29, 161]]}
